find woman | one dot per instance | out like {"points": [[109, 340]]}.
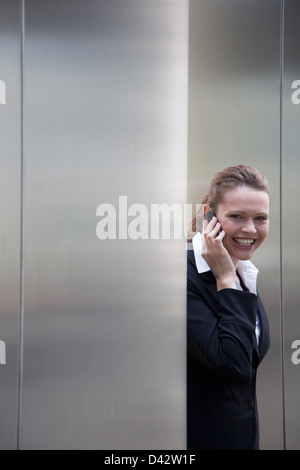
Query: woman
{"points": [[228, 331]]}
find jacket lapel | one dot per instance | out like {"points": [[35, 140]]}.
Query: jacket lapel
{"points": [[264, 340]]}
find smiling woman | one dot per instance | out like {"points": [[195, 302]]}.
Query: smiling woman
{"points": [[244, 217], [228, 331]]}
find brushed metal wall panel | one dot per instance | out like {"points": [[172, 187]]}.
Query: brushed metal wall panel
{"points": [[290, 222], [10, 208], [234, 117], [104, 330]]}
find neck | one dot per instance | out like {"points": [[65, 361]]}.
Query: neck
{"points": [[235, 262]]}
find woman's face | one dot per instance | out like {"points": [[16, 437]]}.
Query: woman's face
{"points": [[244, 216]]}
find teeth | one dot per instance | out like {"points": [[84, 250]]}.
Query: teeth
{"points": [[244, 242]]}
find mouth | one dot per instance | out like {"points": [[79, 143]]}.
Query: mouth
{"points": [[244, 242]]}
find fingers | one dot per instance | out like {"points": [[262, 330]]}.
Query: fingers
{"points": [[212, 228]]}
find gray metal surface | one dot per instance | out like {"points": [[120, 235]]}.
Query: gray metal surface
{"points": [[290, 222], [104, 323], [106, 123], [10, 201], [234, 117]]}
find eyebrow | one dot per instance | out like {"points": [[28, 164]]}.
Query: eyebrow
{"points": [[243, 212]]}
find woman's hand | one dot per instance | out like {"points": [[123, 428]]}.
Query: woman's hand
{"points": [[216, 255]]}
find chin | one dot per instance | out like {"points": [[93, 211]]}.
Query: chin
{"points": [[244, 256]]}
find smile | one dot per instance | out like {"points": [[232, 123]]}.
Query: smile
{"points": [[244, 242]]}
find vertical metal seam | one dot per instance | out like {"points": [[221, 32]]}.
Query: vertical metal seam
{"points": [[21, 328], [187, 183], [282, 11]]}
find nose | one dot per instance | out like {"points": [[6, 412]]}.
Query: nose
{"points": [[249, 227]]}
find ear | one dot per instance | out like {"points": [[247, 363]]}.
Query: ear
{"points": [[206, 208]]}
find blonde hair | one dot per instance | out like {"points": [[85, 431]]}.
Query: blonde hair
{"points": [[230, 177]]}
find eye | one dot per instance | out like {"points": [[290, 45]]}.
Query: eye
{"points": [[261, 218], [235, 216]]}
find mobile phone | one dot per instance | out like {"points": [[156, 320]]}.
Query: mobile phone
{"points": [[209, 216]]}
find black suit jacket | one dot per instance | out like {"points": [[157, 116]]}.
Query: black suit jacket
{"points": [[222, 360]]}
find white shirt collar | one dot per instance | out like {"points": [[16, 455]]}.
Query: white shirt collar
{"points": [[246, 269]]}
